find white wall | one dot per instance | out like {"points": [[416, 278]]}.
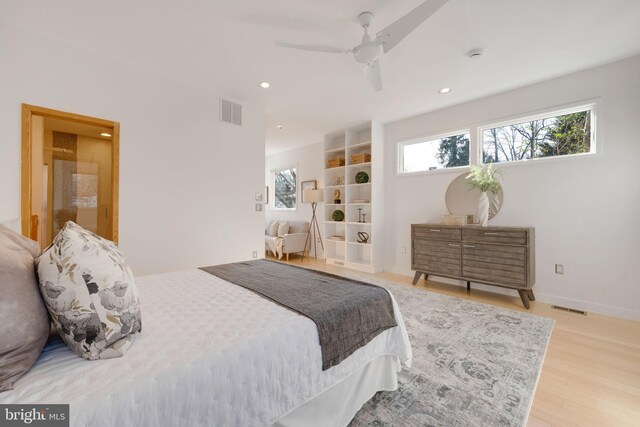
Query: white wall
{"points": [[187, 182], [586, 211], [309, 160]]}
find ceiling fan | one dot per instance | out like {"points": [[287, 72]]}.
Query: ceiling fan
{"points": [[368, 51]]}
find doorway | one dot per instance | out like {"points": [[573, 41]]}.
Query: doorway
{"points": [[70, 165]]}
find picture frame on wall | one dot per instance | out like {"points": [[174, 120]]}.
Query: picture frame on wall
{"points": [[307, 185]]}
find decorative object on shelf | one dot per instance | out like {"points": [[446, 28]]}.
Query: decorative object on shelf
{"points": [[340, 180], [336, 197], [359, 214], [363, 237], [307, 185], [356, 201], [338, 238], [313, 196], [334, 163], [483, 178], [462, 200], [362, 177], [360, 158], [364, 218], [338, 215], [453, 219]]}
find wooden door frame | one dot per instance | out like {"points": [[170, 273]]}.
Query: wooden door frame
{"points": [[28, 111]]}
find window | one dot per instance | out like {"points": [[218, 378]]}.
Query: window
{"points": [[285, 184], [553, 134], [434, 153]]}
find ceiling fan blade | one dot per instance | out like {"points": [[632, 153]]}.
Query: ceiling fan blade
{"points": [[394, 33], [312, 47], [372, 73]]}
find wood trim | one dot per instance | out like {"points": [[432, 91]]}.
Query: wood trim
{"points": [[28, 111]]}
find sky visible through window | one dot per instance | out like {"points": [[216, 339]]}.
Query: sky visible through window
{"points": [[440, 153]]}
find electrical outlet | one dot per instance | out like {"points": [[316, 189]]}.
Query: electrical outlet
{"points": [[559, 268], [403, 250], [255, 254], [258, 207]]}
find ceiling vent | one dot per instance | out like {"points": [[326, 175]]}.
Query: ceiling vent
{"points": [[230, 112]]}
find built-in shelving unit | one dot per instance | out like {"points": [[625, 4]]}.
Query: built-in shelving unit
{"points": [[342, 246]]}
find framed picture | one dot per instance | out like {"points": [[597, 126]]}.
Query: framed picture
{"points": [[266, 195], [307, 185]]}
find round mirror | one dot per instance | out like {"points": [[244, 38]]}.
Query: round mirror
{"points": [[463, 200]]}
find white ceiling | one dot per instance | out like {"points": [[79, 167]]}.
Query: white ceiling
{"points": [[228, 47]]}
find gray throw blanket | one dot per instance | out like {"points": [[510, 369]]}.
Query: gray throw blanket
{"points": [[347, 313]]}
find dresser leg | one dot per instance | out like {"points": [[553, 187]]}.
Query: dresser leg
{"points": [[468, 286], [524, 296], [530, 295], [416, 277]]}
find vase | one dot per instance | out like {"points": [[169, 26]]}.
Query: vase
{"points": [[483, 209]]}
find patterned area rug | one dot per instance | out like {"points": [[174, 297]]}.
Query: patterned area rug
{"points": [[473, 364]]}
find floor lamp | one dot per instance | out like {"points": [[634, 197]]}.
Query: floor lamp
{"points": [[315, 197]]}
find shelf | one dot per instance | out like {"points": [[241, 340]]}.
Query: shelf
{"points": [[335, 222], [335, 150], [359, 244], [357, 223], [359, 165], [358, 204], [360, 144], [333, 186], [334, 168], [334, 241], [359, 185]]}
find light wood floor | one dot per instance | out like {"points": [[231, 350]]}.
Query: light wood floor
{"points": [[591, 373]]}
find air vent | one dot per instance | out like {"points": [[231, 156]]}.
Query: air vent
{"points": [[570, 310], [230, 112]]}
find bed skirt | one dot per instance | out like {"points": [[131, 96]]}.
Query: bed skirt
{"points": [[337, 405]]}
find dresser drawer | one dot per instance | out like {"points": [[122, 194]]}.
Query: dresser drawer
{"points": [[495, 263], [507, 237], [436, 233], [436, 257]]}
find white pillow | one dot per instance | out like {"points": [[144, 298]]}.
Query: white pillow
{"points": [[283, 228], [90, 293], [273, 230]]}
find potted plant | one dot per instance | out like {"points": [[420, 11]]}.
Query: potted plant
{"points": [[484, 179]]}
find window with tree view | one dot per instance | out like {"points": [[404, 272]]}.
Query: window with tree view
{"points": [[285, 188], [555, 135], [447, 152]]}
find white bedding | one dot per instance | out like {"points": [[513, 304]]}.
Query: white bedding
{"points": [[210, 353]]}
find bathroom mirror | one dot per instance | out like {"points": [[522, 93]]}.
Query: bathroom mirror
{"points": [[462, 200]]}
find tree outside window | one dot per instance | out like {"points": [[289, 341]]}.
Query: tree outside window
{"points": [[285, 184], [553, 136]]}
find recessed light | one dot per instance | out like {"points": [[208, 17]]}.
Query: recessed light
{"points": [[445, 90], [105, 134], [279, 127], [265, 85]]}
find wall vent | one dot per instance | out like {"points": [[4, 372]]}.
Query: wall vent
{"points": [[570, 310], [230, 112]]}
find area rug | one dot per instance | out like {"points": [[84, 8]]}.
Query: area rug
{"points": [[473, 364]]}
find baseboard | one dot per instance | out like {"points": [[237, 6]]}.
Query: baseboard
{"points": [[589, 307]]}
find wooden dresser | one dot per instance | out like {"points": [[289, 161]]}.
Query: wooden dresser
{"points": [[499, 256]]}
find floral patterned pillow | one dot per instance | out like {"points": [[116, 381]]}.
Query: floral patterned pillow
{"points": [[90, 293]]}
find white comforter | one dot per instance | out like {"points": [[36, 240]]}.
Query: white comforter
{"points": [[210, 354]]}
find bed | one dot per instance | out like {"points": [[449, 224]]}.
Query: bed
{"points": [[214, 353]]}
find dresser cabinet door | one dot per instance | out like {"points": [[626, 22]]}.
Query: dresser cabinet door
{"points": [[437, 256], [495, 263]]}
